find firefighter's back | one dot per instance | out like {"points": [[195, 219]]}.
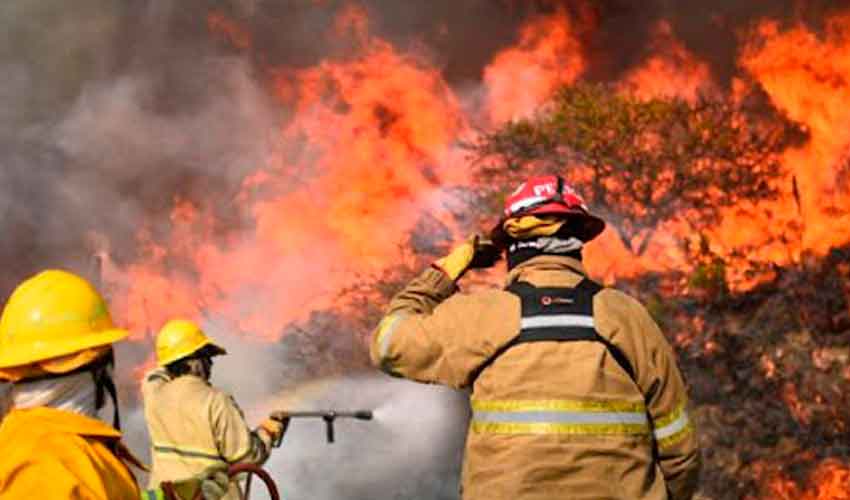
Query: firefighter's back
{"points": [[178, 417], [563, 419]]}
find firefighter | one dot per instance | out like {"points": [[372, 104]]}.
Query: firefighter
{"points": [[192, 424], [575, 392], [56, 337]]}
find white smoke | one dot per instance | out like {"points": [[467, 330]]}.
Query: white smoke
{"points": [[410, 451]]}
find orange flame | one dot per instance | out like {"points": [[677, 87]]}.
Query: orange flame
{"points": [[374, 138], [804, 75], [829, 481], [521, 78], [371, 143], [670, 71]]}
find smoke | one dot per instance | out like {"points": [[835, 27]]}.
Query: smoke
{"points": [[102, 128]]}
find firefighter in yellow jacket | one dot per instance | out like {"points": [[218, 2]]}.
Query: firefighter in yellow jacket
{"points": [[575, 391], [56, 339], [193, 425]]}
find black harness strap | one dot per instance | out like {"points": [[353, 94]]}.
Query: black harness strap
{"points": [[559, 315]]}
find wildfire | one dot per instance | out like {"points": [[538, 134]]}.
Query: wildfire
{"points": [[369, 144], [373, 143], [372, 140], [670, 71], [521, 78], [829, 481], [804, 74]]}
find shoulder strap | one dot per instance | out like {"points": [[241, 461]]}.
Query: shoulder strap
{"points": [[559, 315]]}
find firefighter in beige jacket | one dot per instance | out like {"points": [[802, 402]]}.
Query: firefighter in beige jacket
{"points": [[193, 425], [575, 391]]}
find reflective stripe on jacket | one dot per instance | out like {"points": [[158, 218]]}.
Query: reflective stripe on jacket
{"points": [[193, 425], [549, 419], [54, 454]]}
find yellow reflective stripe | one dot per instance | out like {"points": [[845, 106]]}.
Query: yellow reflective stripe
{"points": [[559, 428], [385, 332], [558, 405], [673, 427], [671, 417]]}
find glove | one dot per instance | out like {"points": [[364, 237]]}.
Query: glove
{"points": [[212, 482], [476, 252], [274, 427]]}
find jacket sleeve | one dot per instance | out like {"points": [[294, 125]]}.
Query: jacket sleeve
{"points": [[432, 334], [236, 442], [667, 401]]}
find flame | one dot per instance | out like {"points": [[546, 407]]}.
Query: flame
{"points": [[522, 77], [670, 71], [804, 75], [371, 143], [829, 481], [375, 137]]}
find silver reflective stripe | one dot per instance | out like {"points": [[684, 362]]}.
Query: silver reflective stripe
{"points": [[561, 417], [387, 332], [557, 320], [673, 427]]}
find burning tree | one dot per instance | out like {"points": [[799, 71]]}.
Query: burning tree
{"points": [[644, 162]]}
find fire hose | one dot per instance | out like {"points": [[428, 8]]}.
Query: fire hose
{"points": [[234, 470]]}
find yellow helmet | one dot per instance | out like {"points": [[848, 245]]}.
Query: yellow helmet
{"points": [[54, 322], [180, 338]]}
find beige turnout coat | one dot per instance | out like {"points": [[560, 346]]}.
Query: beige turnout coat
{"points": [[193, 425], [550, 420]]}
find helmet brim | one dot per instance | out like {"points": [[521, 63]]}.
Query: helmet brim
{"points": [[586, 228], [209, 347], [34, 352]]}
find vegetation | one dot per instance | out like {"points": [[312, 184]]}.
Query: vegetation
{"points": [[643, 162]]}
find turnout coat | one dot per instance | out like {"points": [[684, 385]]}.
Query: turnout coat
{"points": [[549, 419]]}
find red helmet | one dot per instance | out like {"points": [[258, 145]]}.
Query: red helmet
{"points": [[550, 195]]}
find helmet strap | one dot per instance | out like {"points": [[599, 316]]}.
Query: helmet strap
{"points": [[104, 384]]}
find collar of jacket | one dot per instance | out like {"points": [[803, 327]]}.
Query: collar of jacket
{"points": [[50, 421], [545, 263]]}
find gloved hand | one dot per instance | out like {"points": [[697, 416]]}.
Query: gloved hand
{"points": [[274, 427], [476, 252], [212, 482]]}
